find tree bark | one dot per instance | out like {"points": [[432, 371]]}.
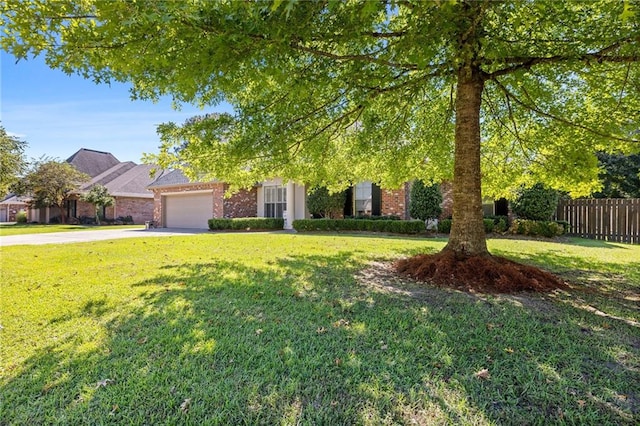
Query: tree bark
{"points": [[467, 236]]}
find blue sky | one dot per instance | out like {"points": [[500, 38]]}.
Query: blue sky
{"points": [[57, 114]]}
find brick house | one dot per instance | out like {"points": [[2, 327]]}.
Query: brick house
{"points": [[10, 206], [126, 182], [179, 203]]}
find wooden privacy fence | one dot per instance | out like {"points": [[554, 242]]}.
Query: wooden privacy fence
{"points": [[611, 219]]}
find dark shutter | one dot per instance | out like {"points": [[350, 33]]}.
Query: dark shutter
{"points": [[376, 200], [348, 205]]}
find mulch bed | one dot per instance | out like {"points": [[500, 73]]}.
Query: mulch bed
{"points": [[484, 274]]}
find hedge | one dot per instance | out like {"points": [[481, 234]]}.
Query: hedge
{"points": [[536, 228], [247, 223], [444, 226], [391, 226]]}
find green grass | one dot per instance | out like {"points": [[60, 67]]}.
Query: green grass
{"points": [[21, 229], [286, 329]]}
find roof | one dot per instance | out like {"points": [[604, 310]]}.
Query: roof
{"points": [[92, 162], [13, 199], [169, 178], [125, 180]]}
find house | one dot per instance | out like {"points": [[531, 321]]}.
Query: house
{"points": [[10, 206], [126, 182], [179, 203]]}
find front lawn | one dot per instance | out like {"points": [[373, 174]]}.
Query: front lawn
{"points": [[29, 228], [311, 329]]}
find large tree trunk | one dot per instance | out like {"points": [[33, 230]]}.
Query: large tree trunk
{"points": [[467, 231]]}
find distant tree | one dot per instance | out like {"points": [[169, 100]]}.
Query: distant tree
{"points": [[425, 201], [536, 203], [12, 160], [99, 196], [620, 176], [321, 202], [49, 184]]}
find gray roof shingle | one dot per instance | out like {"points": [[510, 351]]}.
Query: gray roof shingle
{"points": [[92, 162]]}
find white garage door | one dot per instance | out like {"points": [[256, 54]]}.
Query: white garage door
{"points": [[188, 210]]}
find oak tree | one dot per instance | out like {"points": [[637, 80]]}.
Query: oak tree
{"points": [[491, 95]]}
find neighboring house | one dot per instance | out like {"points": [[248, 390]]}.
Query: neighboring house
{"points": [[179, 203], [126, 182], [10, 206]]}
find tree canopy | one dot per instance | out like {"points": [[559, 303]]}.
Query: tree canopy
{"points": [[492, 95], [12, 160], [49, 184], [620, 176]]}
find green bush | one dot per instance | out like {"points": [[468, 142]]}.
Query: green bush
{"points": [[565, 225], [21, 216], [536, 203], [367, 217], [444, 226], [535, 228], [125, 219], [391, 226], [425, 201], [500, 223], [488, 225], [247, 223], [323, 204]]}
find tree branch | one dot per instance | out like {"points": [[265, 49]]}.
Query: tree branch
{"points": [[560, 119], [525, 63], [354, 57]]}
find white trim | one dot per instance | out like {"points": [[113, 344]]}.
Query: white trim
{"points": [[210, 191]]}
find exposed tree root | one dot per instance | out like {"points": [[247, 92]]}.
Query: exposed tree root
{"points": [[485, 274]]}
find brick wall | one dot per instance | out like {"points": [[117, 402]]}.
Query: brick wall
{"points": [[218, 200], [394, 202], [140, 209], [85, 209], [447, 200], [242, 204]]}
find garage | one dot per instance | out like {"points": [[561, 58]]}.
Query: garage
{"points": [[191, 210]]}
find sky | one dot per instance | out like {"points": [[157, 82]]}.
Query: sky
{"points": [[57, 114]]}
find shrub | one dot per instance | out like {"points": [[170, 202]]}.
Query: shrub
{"points": [[21, 216], [565, 225], [425, 201], [367, 217], [323, 204], [444, 226], [391, 226], [87, 220], [247, 223], [500, 223], [488, 225], [534, 228], [125, 219], [536, 203]]}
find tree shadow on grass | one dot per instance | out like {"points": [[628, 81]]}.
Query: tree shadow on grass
{"points": [[301, 340]]}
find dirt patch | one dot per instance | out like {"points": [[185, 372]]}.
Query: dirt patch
{"points": [[485, 274]]}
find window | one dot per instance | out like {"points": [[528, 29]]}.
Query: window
{"points": [[275, 201], [363, 198], [71, 207]]}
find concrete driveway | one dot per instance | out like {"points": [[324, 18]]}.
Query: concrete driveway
{"points": [[96, 235]]}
